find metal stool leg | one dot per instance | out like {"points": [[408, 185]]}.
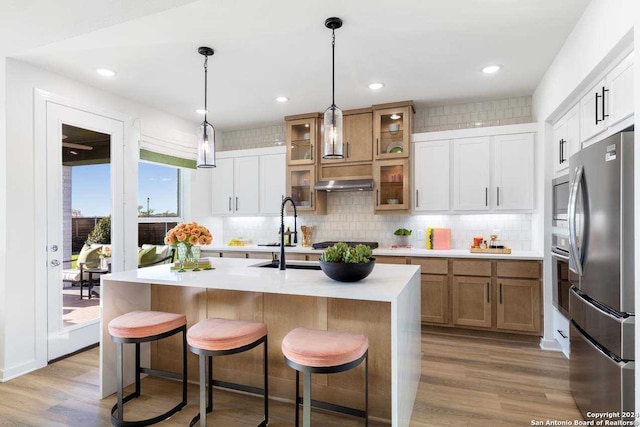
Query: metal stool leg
{"points": [[137, 392], [266, 384], [203, 392], [184, 366], [366, 390], [119, 357], [297, 398], [306, 404]]}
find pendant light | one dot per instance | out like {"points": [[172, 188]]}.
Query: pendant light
{"points": [[206, 132], [332, 147]]}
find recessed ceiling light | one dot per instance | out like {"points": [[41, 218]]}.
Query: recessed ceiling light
{"points": [[282, 99], [491, 69], [376, 86], [201, 111], [105, 72], [395, 116]]}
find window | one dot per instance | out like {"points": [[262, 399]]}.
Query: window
{"points": [[158, 192]]}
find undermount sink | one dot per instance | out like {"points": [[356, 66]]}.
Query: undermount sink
{"points": [[292, 266]]}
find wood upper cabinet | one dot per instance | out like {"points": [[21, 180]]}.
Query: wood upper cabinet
{"points": [[471, 179], [391, 186], [300, 187], [392, 129], [431, 175], [302, 139], [471, 299], [518, 307], [357, 137]]}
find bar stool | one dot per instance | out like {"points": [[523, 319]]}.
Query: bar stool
{"points": [[219, 337], [325, 352], [138, 327]]}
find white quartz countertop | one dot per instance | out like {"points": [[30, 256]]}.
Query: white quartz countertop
{"points": [[385, 282], [411, 252]]}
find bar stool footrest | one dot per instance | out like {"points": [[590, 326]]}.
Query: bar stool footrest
{"points": [[334, 407], [141, 423]]}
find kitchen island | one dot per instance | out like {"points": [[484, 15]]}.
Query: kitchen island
{"points": [[385, 306]]}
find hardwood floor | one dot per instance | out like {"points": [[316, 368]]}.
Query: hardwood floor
{"points": [[466, 381]]}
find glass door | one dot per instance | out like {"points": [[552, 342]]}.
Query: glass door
{"points": [[301, 182], [79, 205], [392, 132], [301, 141], [391, 179]]}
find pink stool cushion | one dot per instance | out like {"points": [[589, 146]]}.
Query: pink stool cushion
{"points": [[224, 334], [141, 324], [315, 348]]}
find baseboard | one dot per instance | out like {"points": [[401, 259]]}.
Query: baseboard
{"points": [[16, 371], [550, 345]]}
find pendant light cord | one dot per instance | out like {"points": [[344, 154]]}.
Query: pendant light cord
{"points": [[333, 77], [206, 60]]}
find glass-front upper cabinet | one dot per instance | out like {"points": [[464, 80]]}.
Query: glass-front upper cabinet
{"points": [[391, 180], [392, 132], [300, 183], [302, 140]]}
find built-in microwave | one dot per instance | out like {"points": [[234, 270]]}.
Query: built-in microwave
{"points": [[560, 195]]}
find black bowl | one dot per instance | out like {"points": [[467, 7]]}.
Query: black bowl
{"points": [[343, 272]]}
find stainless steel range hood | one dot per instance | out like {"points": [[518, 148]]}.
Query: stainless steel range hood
{"points": [[345, 185]]}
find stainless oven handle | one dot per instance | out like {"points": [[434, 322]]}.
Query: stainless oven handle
{"points": [[573, 243], [559, 256]]}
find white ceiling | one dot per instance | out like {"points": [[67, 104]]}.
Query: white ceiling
{"points": [[430, 51]]}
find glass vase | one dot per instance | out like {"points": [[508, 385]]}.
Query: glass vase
{"points": [[195, 255], [182, 256]]}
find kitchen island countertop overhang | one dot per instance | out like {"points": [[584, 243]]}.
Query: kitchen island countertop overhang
{"points": [[385, 306]]}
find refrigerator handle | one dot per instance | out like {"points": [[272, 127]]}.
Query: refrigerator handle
{"points": [[573, 242]]}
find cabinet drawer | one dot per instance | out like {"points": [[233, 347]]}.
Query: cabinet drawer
{"points": [[432, 265], [561, 331], [210, 254], [524, 269], [390, 259], [234, 254], [469, 267]]}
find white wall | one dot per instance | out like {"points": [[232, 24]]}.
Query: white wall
{"points": [[18, 286], [3, 204], [602, 26]]}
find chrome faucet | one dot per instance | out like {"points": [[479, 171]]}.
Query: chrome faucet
{"points": [[283, 265]]}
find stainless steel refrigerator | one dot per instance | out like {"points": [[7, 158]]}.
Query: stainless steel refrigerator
{"points": [[601, 306]]}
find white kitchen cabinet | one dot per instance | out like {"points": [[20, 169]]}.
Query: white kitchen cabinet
{"points": [[620, 82], [609, 101], [249, 182], [512, 172], [272, 182], [566, 139], [246, 179], [431, 165], [471, 173], [222, 185]]}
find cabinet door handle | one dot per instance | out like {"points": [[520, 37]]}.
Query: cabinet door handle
{"points": [[236, 203], [562, 143], [498, 191], [347, 149], [486, 196], [597, 96], [500, 293], [604, 111], [311, 156], [311, 198], [377, 147], [488, 292], [417, 199], [229, 203], [377, 197], [561, 334]]}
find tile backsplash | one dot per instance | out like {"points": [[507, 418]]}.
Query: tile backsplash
{"points": [[350, 217]]}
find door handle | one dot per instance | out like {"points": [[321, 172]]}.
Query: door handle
{"points": [[498, 191], [488, 292], [377, 147], [573, 243], [55, 263], [604, 111], [500, 295], [561, 334], [597, 96], [417, 199], [377, 197], [311, 194], [229, 203], [486, 196], [236, 203], [311, 156], [347, 149]]}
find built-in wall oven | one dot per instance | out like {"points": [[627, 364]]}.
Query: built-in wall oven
{"points": [[560, 195], [563, 277]]}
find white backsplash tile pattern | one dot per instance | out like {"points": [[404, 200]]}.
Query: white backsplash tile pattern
{"points": [[350, 217]]}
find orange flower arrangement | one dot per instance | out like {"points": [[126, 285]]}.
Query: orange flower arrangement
{"points": [[189, 233]]}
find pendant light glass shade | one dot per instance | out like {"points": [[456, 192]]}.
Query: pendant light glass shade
{"points": [[333, 147], [206, 146], [206, 132]]}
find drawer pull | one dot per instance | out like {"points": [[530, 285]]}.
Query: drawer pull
{"points": [[562, 334]]}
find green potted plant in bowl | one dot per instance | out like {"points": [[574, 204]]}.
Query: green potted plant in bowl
{"points": [[402, 236], [345, 264]]}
